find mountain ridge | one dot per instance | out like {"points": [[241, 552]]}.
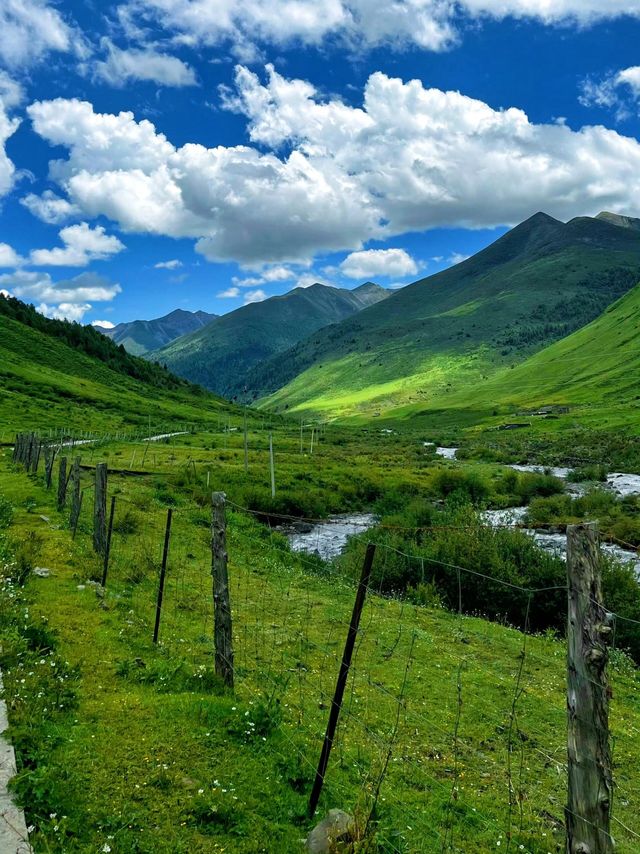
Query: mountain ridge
{"points": [[140, 336], [220, 355], [537, 283]]}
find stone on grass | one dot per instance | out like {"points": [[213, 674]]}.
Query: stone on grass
{"points": [[335, 833], [42, 572]]}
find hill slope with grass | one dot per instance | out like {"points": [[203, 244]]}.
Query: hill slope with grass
{"points": [[140, 336], [596, 369], [54, 373], [536, 284], [220, 355]]}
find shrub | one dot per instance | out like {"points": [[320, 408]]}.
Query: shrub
{"points": [[462, 484]]}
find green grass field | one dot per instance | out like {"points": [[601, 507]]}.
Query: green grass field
{"points": [[144, 752]]}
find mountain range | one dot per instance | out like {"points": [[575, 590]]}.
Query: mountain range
{"points": [[535, 285], [220, 355], [140, 336]]}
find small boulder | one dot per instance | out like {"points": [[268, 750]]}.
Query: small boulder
{"points": [[334, 833], [42, 572]]}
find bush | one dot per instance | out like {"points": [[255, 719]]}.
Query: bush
{"points": [[531, 485], [461, 484], [588, 473]]}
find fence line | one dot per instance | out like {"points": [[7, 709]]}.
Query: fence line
{"points": [[285, 636]]}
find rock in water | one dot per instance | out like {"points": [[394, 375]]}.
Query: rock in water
{"points": [[333, 834]]}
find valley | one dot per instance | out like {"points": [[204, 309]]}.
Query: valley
{"points": [[466, 495]]}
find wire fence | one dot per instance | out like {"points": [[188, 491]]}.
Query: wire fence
{"points": [[452, 735]]}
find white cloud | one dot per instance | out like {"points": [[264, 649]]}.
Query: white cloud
{"points": [[230, 293], [631, 78], [358, 24], [270, 274], [10, 96], [9, 257], [64, 311], [408, 159], [619, 91], [105, 324], [68, 298], [82, 244], [30, 29], [254, 296], [457, 258], [168, 265], [120, 67], [306, 280], [49, 207], [372, 263]]}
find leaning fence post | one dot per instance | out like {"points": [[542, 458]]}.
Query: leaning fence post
{"points": [[246, 444], [100, 510], [76, 497], [62, 483], [336, 705], [107, 545], [221, 601], [588, 635], [163, 572], [272, 467]]}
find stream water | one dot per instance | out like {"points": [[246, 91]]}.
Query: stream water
{"points": [[328, 539]]}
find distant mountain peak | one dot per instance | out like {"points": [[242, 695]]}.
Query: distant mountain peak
{"points": [[621, 220], [140, 336]]}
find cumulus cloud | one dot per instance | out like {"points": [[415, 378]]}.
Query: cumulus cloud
{"points": [[619, 91], [82, 244], [49, 207], [68, 298], [9, 257], [230, 293], [334, 176], [10, 97], [266, 276], [254, 296], [105, 324], [120, 67], [430, 24], [168, 265], [456, 258], [373, 263], [307, 280], [30, 29]]}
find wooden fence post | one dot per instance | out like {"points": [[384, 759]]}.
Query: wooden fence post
{"points": [[272, 467], [163, 572], [35, 459], [62, 483], [246, 445], [107, 546], [223, 636], [49, 459], [588, 635], [100, 510], [336, 705], [76, 497]]}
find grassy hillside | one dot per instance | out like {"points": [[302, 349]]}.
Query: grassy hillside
{"points": [[537, 284], [58, 374], [596, 370], [136, 747], [140, 336], [220, 355]]}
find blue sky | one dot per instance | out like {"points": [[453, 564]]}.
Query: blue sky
{"points": [[205, 153]]}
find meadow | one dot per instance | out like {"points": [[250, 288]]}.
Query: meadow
{"points": [[453, 731]]}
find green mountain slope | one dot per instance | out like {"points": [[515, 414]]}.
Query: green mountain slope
{"points": [[597, 369], [536, 284], [140, 336], [54, 373], [220, 355]]}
